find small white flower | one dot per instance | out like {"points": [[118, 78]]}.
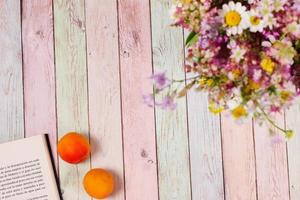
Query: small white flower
{"points": [[231, 76], [265, 7], [235, 18], [294, 29], [279, 5], [257, 75], [238, 54], [270, 21], [234, 102], [256, 22], [207, 55], [266, 44]]}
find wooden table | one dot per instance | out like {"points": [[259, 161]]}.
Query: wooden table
{"points": [[83, 65]]}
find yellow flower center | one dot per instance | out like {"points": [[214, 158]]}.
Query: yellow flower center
{"points": [[285, 95], [186, 1], [209, 82], [268, 65], [254, 20], [233, 18], [236, 73], [239, 112]]}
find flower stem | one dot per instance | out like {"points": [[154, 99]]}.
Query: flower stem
{"points": [[270, 120], [187, 79]]}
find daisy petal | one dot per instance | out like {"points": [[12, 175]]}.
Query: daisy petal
{"points": [[234, 30], [231, 5]]}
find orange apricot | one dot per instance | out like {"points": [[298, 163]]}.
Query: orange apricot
{"points": [[98, 183], [73, 148]]}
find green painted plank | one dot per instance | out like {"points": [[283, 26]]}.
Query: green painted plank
{"points": [[71, 84]]}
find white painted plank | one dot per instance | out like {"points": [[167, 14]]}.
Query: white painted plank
{"points": [[11, 83], [205, 149], [171, 126]]}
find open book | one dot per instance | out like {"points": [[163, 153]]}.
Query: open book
{"points": [[26, 170]]}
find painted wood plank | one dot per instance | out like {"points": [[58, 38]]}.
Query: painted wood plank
{"points": [[271, 162], [238, 159], [138, 120], [171, 127], [292, 122], [71, 84], [104, 89], [38, 65], [205, 149], [11, 84]]}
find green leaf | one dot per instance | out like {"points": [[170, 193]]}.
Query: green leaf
{"points": [[191, 39], [272, 90]]}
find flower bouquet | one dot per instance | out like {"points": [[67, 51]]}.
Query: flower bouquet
{"points": [[243, 53]]}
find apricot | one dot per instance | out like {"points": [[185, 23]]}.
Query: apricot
{"points": [[73, 148], [98, 183]]}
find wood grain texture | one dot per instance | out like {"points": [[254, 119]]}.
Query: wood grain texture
{"points": [[39, 72], [104, 89], [138, 120], [271, 163], [292, 122], [171, 126], [11, 84], [205, 149], [238, 159], [71, 79]]}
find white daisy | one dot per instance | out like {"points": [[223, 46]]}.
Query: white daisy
{"points": [[256, 22], [235, 18]]}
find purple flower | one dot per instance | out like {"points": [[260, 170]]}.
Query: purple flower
{"points": [[160, 80], [168, 103], [149, 100], [277, 139]]}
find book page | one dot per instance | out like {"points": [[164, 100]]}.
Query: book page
{"points": [[26, 171]]}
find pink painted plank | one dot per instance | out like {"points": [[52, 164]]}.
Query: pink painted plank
{"points": [[38, 61], [104, 89], [271, 162], [292, 122], [11, 87], [238, 159], [138, 120]]}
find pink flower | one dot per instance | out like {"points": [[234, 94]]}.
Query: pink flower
{"points": [[160, 80], [277, 139], [275, 109], [168, 103], [149, 100]]}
